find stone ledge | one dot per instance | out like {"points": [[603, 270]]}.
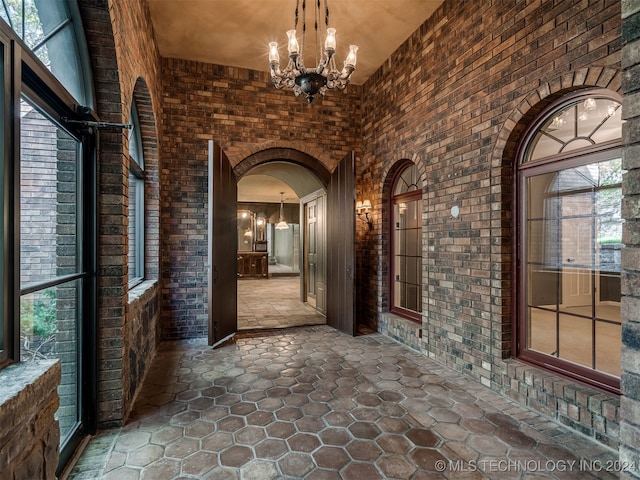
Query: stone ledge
{"points": [[25, 383], [139, 291], [29, 432]]}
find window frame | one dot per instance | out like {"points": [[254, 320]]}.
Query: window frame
{"points": [[25, 75], [136, 170], [522, 172], [8, 343], [394, 199]]}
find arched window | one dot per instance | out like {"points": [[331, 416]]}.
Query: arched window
{"points": [[53, 32], [406, 243], [569, 240], [136, 201]]}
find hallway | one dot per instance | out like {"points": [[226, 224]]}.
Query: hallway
{"points": [[312, 403], [273, 303]]}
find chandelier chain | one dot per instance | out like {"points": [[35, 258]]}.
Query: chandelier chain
{"points": [[326, 12]]}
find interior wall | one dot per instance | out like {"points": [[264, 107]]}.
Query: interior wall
{"points": [[238, 109], [463, 90]]}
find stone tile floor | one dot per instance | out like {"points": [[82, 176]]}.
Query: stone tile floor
{"points": [[313, 403], [273, 303]]}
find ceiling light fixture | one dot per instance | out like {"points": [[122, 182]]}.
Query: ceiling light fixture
{"points": [[282, 225], [311, 81]]}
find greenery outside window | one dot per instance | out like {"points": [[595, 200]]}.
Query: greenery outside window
{"points": [[406, 243], [570, 240], [136, 201]]}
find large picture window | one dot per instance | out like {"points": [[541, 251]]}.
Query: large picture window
{"points": [[49, 203], [570, 238], [406, 225]]}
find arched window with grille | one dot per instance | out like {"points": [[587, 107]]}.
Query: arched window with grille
{"points": [[406, 243], [569, 175]]}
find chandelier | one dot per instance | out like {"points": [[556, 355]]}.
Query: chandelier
{"points": [[311, 81], [282, 224]]}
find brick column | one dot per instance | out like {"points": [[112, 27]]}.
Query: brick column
{"points": [[630, 403]]}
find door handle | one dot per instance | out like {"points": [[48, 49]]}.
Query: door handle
{"points": [[571, 260], [350, 272]]}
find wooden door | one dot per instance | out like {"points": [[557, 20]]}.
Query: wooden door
{"points": [[310, 252], [341, 200], [223, 306]]}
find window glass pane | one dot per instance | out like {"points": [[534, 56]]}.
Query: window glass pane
{"points": [[136, 202], [573, 239], [133, 213], [49, 329], [542, 333], [581, 124], [575, 339], [409, 180], [608, 346], [47, 27], [135, 139], [48, 199], [408, 255], [50, 236]]}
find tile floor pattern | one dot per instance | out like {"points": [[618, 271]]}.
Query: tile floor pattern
{"points": [[312, 403], [273, 303]]}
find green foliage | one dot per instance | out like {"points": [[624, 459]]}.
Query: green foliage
{"points": [[38, 318]]}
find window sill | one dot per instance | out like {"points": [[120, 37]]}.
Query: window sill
{"points": [[17, 377], [141, 289]]}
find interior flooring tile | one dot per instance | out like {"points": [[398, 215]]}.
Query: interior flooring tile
{"points": [[312, 403]]}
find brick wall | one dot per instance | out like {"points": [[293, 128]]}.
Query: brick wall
{"points": [[243, 112], [464, 96], [29, 433], [125, 62], [630, 407]]}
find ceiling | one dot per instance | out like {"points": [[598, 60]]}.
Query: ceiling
{"points": [[265, 182], [236, 32]]}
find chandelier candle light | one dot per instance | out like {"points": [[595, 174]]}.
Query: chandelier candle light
{"points": [[311, 81]]}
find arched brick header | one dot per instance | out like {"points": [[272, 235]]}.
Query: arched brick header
{"points": [[547, 92], [284, 155]]}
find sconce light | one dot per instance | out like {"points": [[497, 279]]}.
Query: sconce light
{"points": [[363, 207]]}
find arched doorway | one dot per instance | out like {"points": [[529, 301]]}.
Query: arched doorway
{"points": [[281, 232], [223, 235]]}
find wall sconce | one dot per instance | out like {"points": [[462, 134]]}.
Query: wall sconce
{"points": [[363, 207]]}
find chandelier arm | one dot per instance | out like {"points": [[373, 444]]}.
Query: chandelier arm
{"points": [[324, 76]]}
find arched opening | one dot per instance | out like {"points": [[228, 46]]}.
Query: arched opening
{"points": [[281, 232]]}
